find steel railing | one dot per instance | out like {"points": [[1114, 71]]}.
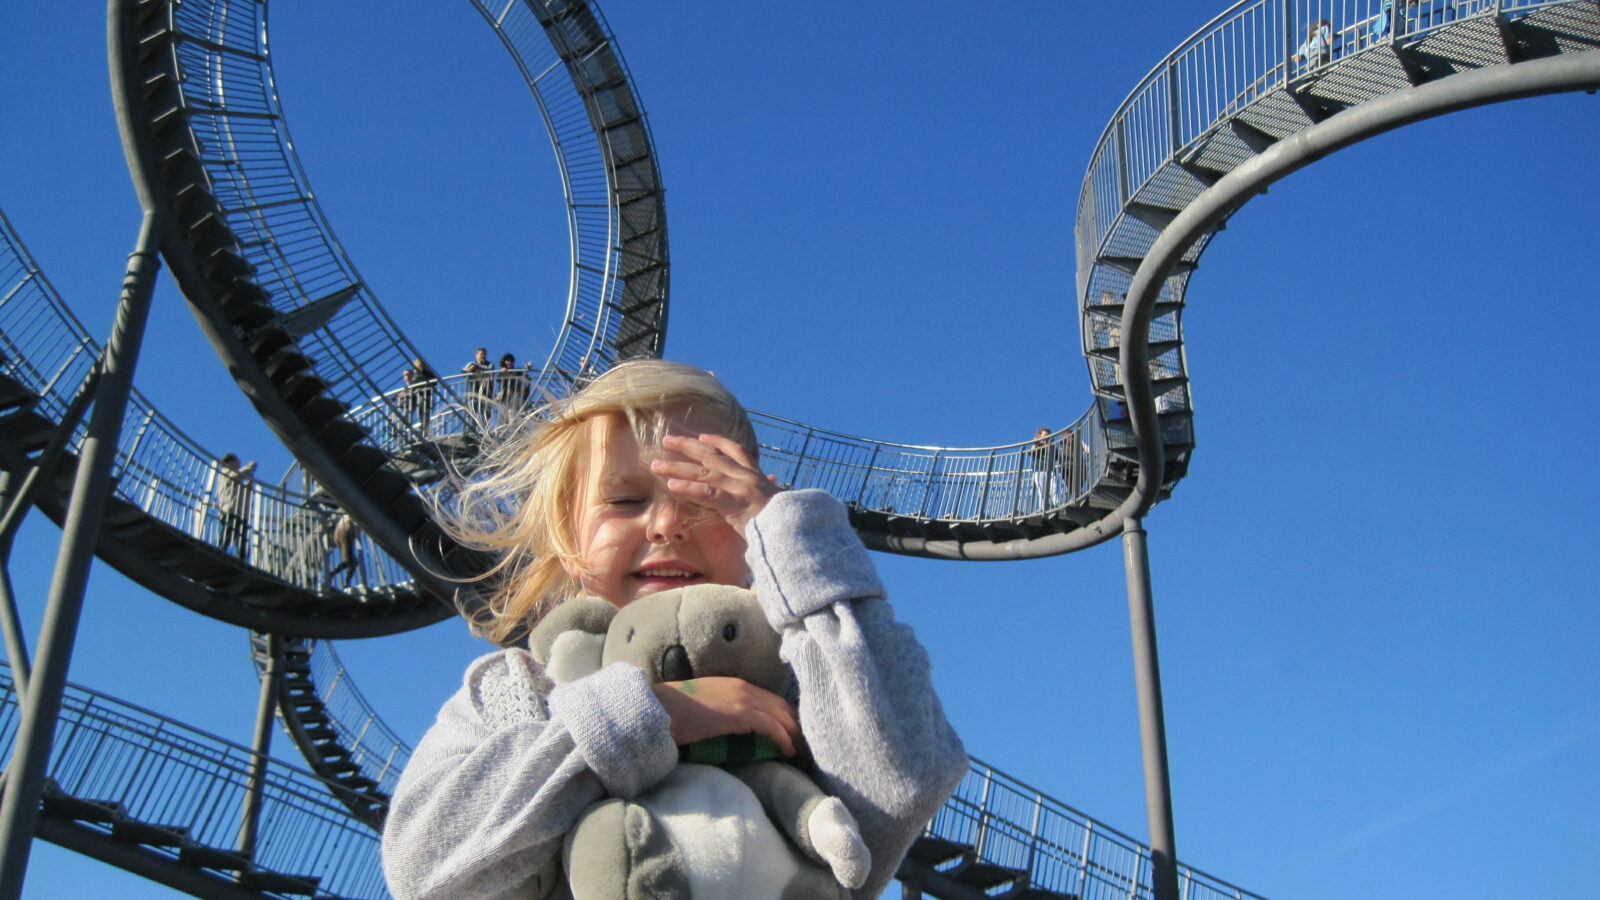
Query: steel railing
{"points": [[964, 484], [1250, 51], [235, 114], [163, 772], [1010, 824], [372, 744], [159, 469], [953, 484]]}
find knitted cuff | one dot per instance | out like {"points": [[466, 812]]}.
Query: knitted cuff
{"points": [[618, 726], [805, 556]]}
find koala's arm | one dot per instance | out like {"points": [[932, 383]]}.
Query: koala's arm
{"points": [[505, 771], [875, 728]]}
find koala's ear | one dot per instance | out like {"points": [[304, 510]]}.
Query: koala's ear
{"points": [[569, 638]]}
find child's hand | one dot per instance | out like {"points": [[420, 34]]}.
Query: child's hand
{"points": [[712, 707], [716, 473]]}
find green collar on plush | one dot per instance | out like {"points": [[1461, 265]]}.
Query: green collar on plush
{"points": [[730, 750]]}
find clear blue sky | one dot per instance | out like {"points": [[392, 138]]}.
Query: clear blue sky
{"points": [[1377, 626]]}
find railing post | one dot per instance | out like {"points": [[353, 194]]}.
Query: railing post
{"points": [[1174, 120], [1083, 867], [983, 813], [19, 810], [1033, 833], [983, 495], [1124, 189], [800, 459], [927, 486], [1288, 40], [861, 492]]}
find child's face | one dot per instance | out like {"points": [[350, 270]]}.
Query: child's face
{"points": [[634, 537]]}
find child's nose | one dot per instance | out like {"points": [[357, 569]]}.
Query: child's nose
{"points": [[667, 521]]}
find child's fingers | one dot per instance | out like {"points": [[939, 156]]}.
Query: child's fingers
{"points": [[729, 447]]}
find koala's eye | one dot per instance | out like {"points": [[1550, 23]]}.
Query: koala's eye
{"points": [[730, 631], [630, 635]]}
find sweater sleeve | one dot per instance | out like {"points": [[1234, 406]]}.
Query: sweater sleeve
{"points": [[875, 728], [481, 809]]}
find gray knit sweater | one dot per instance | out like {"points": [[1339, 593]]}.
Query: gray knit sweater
{"points": [[513, 760]]}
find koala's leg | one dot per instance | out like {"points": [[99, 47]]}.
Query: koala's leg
{"points": [[815, 883], [618, 851], [817, 823]]}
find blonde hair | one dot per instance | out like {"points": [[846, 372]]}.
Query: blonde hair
{"points": [[519, 505]]}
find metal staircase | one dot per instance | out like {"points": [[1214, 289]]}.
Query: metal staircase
{"points": [[335, 729], [161, 799], [163, 525], [276, 295]]}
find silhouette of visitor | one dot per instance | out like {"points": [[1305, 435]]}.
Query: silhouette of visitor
{"points": [[422, 382], [344, 540], [233, 500]]}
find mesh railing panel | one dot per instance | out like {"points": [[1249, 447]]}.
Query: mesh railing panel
{"points": [[163, 772], [158, 468], [1013, 825], [373, 745]]}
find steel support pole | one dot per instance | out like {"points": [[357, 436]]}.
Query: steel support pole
{"points": [[19, 810], [1152, 724], [15, 501], [10, 622], [250, 818]]}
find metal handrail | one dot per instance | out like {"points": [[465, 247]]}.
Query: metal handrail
{"points": [[973, 484], [236, 115], [1244, 53], [374, 746], [1013, 825], [159, 469], [163, 772]]}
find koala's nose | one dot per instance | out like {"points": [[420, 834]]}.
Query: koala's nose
{"points": [[675, 665]]}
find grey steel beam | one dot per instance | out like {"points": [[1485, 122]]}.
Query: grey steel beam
{"points": [[142, 862], [1152, 719], [16, 500], [25, 777], [261, 746]]}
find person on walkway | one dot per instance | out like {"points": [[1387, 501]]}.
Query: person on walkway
{"points": [[234, 490], [480, 390], [1044, 456], [344, 540], [1317, 48], [512, 387], [422, 381]]}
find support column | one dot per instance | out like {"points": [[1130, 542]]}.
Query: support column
{"points": [[250, 818], [19, 810], [15, 500], [1152, 722], [10, 622]]}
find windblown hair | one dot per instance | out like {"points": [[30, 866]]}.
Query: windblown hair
{"points": [[519, 505]]}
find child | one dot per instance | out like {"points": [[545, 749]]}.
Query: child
{"points": [[644, 481]]}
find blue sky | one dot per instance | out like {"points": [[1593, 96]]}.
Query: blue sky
{"points": [[1376, 625]]}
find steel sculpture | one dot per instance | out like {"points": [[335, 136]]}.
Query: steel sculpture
{"points": [[272, 289]]}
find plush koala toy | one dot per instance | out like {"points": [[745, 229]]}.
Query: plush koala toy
{"points": [[760, 831]]}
